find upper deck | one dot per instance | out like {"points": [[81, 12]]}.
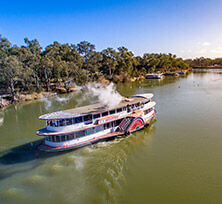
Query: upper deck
{"points": [[95, 108]]}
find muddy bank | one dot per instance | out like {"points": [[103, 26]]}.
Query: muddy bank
{"points": [[6, 100]]}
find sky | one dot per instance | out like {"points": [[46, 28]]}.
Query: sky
{"points": [[188, 28]]}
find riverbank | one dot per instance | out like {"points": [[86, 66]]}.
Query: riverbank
{"points": [[207, 67], [6, 100]]}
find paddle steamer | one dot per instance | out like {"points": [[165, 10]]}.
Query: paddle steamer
{"points": [[73, 128]]}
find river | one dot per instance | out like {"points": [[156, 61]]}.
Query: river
{"points": [[177, 159]]}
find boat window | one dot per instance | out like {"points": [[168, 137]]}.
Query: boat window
{"points": [[105, 113], [90, 131], [78, 119], [50, 123], [99, 128], [117, 122], [80, 133], [68, 121], [129, 108], [62, 138], [62, 122], [71, 136], [107, 125], [148, 111], [119, 110], [57, 139], [87, 117], [53, 138], [74, 135], [73, 120], [96, 116], [112, 111]]}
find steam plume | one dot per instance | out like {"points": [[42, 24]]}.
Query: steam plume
{"points": [[107, 94]]}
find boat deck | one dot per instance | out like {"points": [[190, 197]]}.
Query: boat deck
{"points": [[95, 108]]}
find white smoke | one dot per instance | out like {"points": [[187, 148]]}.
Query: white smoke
{"points": [[78, 88], [1, 120], [106, 94], [64, 99], [50, 101], [47, 102]]}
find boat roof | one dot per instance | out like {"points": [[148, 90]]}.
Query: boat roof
{"points": [[94, 108]]}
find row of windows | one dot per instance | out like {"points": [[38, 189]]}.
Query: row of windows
{"points": [[148, 111], [88, 118], [75, 135]]}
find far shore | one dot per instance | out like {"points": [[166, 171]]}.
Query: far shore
{"points": [[207, 67], [5, 98]]}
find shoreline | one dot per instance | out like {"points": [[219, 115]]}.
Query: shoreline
{"points": [[5, 99], [29, 97], [206, 67]]}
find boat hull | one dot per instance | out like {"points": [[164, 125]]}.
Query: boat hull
{"points": [[46, 148]]}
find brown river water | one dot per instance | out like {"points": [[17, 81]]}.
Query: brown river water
{"points": [[177, 159]]}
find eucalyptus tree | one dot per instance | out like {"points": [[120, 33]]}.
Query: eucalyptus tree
{"points": [[150, 62], [86, 50], [4, 46], [124, 60], [217, 62], [46, 67], [10, 73], [30, 56], [94, 61], [66, 62], [109, 61], [34, 58], [138, 69]]}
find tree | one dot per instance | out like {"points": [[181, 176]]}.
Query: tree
{"points": [[109, 61], [46, 65], [125, 61], [85, 49], [10, 71], [4, 46]]}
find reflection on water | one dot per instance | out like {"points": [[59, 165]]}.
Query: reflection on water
{"points": [[177, 159]]}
